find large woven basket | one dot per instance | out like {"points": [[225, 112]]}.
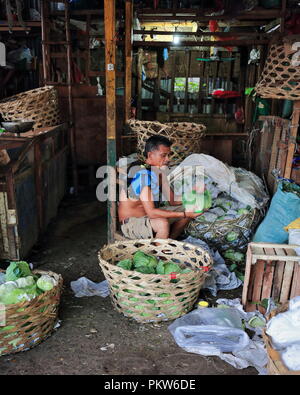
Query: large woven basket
{"points": [[215, 233], [185, 137], [29, 323], [275, 364], [280, 79], [39, 105], [154, 297]]}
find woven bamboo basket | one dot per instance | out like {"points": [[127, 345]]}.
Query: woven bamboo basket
{"points": [[275, 364], [280, 79], [39, 105], [215, 233], [154, 297], [29, 323], [185, 137]]}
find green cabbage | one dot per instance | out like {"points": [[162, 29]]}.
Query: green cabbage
{"points": [[171, 267], [24, 281], [18, 295], [160, 268], [16, 270], [145, 270], [125, 264], [207, 199], [242, 211], [232, 236], [46, 282], [142, 259], [234, 256]]}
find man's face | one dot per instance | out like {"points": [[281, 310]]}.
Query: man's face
{"points": [[160, 156]]}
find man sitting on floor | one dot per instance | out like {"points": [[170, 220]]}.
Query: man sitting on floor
{"points": [[139, 212]]}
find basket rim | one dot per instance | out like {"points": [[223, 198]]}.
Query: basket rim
{"points": [[204, 268], [34, 91]]}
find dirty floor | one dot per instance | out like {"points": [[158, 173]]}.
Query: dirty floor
{"points": [[93, 338]]}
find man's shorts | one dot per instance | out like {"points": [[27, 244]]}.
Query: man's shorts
{"points": [[140, 228]]}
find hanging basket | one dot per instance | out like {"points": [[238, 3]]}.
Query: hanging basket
{"points": [[216, 234], [185, 137], [39, 105], [29, 323], [275, 364], [280, 78], [154, 297]]}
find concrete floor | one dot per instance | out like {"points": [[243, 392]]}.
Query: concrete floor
{"points": [[93, 338]]}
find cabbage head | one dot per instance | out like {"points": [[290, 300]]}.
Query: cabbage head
{"points": [[46, 282], [167, 268], [125, 264], [145, 269], [18, 295], [16, 270], [25, 281], [142, 259]]}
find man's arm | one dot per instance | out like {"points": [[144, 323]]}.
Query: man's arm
{"points": [[147, 200]]}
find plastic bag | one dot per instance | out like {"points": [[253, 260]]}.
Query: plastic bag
{"points": [[210, 331], [85, 287], [291, 357], [284, 329], [242, 185], [284, 208]]}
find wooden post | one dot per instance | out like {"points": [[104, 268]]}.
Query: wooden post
{"points": [[128, 59], [139, 84], [292, 139], [70, 97], [110, 79]]}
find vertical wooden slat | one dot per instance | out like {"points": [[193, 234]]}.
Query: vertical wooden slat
{"points": [[88, 58], [248, 269], [267, 280], [257, 285], [278, 275], [286, 282], [110, 78], [139, 84], [187, 74], [45, 49], [171, 103], [295, 291], [292, 139], [38, 184], [128, 59]]}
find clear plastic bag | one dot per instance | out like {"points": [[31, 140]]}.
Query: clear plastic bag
{"points": [[85, 287], [210, 331]]}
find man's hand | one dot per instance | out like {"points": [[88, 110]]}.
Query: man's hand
{"points": [[192, 214]]}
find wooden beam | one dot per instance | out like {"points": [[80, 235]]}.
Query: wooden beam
{"points": [[165, 44], [292, 139], [110, 79], [128, 59], [199, 33]]}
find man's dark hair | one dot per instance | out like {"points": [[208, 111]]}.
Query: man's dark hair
{"points": [[154, 142]]}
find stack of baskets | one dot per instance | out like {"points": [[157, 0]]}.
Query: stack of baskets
{"points": [[185, 137], [154, 297], [275, 364], [39, 105], [280, 78], [29, 323]]}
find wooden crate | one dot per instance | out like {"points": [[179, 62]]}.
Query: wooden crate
{"points": [[272, 270]]}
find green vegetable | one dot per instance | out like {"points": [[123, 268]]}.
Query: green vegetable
{"points": [[145, 270], [46, 282], [171, 267], [242, 211], [16, 270], [234, 255], [231, 236], [207, 199], [125, 264], [18, 295], [142, 259], [25, 281], [160, 268]]}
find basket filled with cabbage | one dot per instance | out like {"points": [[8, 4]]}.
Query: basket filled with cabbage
{"points": [[29, 302], [154, 280], [226, 224]]}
